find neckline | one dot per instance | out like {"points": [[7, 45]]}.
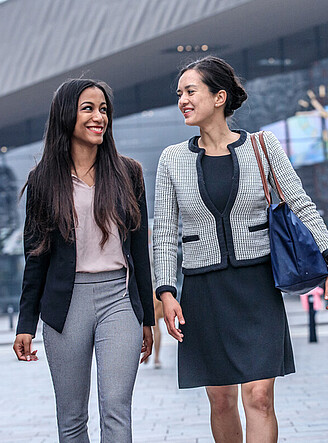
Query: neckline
{"points": [[82, 182], [217, 156], [193, 141]]}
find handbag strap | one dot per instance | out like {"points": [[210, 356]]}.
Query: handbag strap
{"points": [[264, 149], [260, 165]]}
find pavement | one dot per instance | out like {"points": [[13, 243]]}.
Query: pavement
{"points": [[162, 412]]}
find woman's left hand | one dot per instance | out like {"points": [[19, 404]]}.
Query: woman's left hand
{"points": [[147, 344], [326, 291]]}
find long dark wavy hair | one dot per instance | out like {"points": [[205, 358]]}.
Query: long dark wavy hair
{"points": [[118, 179]]}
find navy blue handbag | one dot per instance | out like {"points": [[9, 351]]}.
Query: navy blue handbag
{"points": [[297, 263]]}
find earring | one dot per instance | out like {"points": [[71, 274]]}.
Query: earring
{"points": [[216, 105]]}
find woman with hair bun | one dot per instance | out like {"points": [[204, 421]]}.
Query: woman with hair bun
{"points": [[87, 268], [233, 327]]}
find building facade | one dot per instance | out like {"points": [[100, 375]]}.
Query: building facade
{"points": [[279, 48]]}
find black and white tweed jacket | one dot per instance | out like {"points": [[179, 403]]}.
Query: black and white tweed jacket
{"points": [[240, 233]]}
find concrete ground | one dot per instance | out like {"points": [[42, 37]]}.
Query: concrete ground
{"points": [[161, 412]]}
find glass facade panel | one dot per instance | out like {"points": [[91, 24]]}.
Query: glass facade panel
{"points": [[323, 40], [301, 49], [264, 60]]}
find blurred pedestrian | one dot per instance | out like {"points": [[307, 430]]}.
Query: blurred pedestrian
{"points": [[158, 311], [157, 332], [233, 327], [87, 265], [317, 293], [311, 302]]}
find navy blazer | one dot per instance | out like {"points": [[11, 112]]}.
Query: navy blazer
{"points": [[49, 278]]}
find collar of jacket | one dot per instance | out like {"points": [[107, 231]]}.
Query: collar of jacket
{"points": [[193, 142], [223, 225]]}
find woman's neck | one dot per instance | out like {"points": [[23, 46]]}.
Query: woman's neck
{"points": [[84, 159], [215, 139]]}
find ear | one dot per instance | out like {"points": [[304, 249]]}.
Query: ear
{"points": [[220, 98]]}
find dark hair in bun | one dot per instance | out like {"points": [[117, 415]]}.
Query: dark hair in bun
{"points": [[218, 74]]}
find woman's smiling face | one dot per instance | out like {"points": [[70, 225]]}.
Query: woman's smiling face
{"points": [[91, 119], [196, 102]]}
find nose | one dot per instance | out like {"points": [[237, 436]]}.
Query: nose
{"points": [[97, 116], [183, 99]]}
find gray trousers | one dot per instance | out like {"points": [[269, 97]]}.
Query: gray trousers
{"points": [[101, 317]]}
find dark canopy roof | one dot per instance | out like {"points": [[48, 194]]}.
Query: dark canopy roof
{"points": [[126, 43]]}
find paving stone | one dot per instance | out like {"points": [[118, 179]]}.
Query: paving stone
{"points": [[162, 412]]}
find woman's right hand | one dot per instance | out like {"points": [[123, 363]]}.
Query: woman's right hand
{"points": [[23, 348], [172, 309]]}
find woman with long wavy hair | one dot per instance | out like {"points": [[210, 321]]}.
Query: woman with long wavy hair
{"points": [[87, 265]]}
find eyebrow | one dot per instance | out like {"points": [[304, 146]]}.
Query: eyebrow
{"points": [[91, 103], [187, 87]]}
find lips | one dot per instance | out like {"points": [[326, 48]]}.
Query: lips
{"points": [[96, 129], [187, 111]]}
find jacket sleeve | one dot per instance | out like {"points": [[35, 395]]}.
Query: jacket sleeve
{"points": [[140, 254], [165, 230], [35, 273], [297, 199]]}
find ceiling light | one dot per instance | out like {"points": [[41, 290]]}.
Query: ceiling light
{"points": [[322, 91], [147, 113], [272, 61], [303, 103], [195, 48]]}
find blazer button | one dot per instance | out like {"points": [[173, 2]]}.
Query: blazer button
{"points": [[128, 255]]}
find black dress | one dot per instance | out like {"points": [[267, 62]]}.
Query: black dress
{"points": [[236, 329]]}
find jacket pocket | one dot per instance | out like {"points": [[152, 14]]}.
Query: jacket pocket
{"points": [[258, 227], [188, 238]]}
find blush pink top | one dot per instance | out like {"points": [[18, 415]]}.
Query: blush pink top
{"points": [[90, 257]]}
